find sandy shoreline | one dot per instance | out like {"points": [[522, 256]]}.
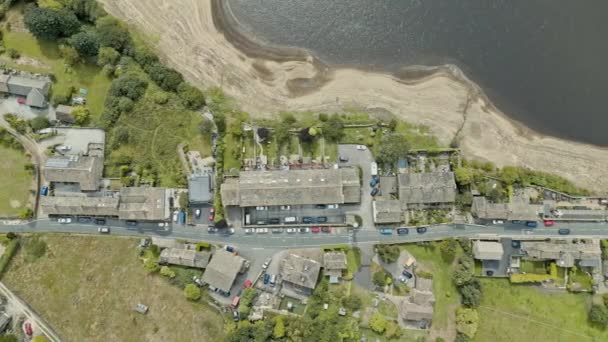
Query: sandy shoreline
{"points": [[266, 81]]}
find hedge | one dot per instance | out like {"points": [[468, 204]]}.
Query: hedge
{"points": [[11, 249], [530, 278]]}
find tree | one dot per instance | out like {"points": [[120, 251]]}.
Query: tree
{"points": [[166, 78], [392, 148], [510, 175], [463, 272], [378, 323], [448, 248], [26, 213], [69, 54], [40, 122], [352, 302], [86, 43], [48, 24], [191, 97], [128, 85], [113, 33], [388, 253], [379, 278], [463, 175], [167, 272], [125, 104], [279, 327], [107, 55], [9, 338], [598, 315], [471, 293], [467, 321], [81, 114], [333, 128], [462, 338], [86, 10], [263, 133], [192, 292], [151, 265], [393, 330], [183, 200]]}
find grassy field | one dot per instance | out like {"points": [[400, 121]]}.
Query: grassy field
{"points": [[15, 182], [86, 287], [46, 59], [521, 312]]}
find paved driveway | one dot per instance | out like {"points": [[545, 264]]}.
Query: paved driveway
{"points": [[363, 159]]}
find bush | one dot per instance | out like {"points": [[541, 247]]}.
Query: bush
{"points": [[81, 114], [467, 321], [128, 85], [246, 301], [10, 251], [40, 122], [167, 272], [352, 302], [388, 253], [107, 56], [598, 315], [192, 292], [380, 277], [113, 33], [13, 54], [378, 323], [48, 24], [192, 98], [86, 43], [471, 293], [448, 250], [166, 78], [35, 248]]}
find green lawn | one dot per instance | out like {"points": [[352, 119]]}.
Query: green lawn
{"points": [[582, 278], [537, 267], [526, 313], [446, 295], [15, 182], [85, 76]]}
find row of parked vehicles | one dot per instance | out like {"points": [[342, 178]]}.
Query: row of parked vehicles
{"points": [[303, 230], [402, 230], [286, 220]]}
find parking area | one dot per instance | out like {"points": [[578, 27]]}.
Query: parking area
{"points": [[352, 156], [204, 216], [296, 214]]}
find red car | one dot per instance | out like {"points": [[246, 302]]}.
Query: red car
{"points": [[549, 223], [211, 217], [27, 327], [21, 100], [247, 284], [315, 229]]}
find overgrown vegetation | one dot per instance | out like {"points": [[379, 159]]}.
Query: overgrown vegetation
{"points": [[34, 248]]}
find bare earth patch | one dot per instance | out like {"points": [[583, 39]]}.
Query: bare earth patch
{"points": [[15, 204], [86, 287]]}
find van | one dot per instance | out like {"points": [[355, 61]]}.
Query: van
{"points": [[290, 219], [273, 280], [235, 302], [175, 216]]}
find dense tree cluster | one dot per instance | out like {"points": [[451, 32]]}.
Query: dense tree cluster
{"points": [[49, 24], [392, 148]]}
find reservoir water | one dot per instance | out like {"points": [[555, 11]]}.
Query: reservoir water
{"points": [[542, 62]]}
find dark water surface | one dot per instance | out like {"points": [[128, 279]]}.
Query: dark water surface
{"points": [[543, 62]]}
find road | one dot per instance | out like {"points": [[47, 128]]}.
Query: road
{"points": [[337, 236], [37, 322]]}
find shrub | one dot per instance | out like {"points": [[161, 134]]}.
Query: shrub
{"points": [[10, 251], [86, 43], [13, 54], [40, 122], [378, 323], [81, 114], [167, 272], [107, 56], [467, 321], [352, 302], [48, 24], [192, 98], [598, 314], [192, 292], [35, 248], [388, 253]]}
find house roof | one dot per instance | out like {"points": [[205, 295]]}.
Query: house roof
{"points": [[427, 188], [415, 312], [185, 257], [565, 252], [387, 211], [295, 187], [199, 188], [422, 297], [519, 210], [424, 284], [4, 83], [63, 113], [22, 85], [35, 98], [84, 170], [334, 261], [487, 250], [300, 271], [222, 270], [77, 205], [144, 203]]}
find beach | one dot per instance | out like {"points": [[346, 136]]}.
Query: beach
{"points": [[197, 38]]}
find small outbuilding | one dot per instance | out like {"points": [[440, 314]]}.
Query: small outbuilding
{"points": [[63, 114]]}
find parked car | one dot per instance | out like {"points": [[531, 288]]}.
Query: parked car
{"points": [[291, 230], [21, 100], [175, 216], [261, 208], [211, 217], [229, 248], [211, 230], [131, 223], [326, 229], [197, 213], [260, 222], [343, 159], [103, 230], [285, 207], [307, 219], [266, 263], [421, 230], [100, 221], [516, 244], [375, 191], [407, 274], [386, 231], [321, 219], [549, 223], [84, 220], [277, 230], [64, 220], [266, 278], [531, 224], [563, 231], [402, 231], [315, 229], [321, 206], [374, 182], [247, 284], [228, 231], [498, 222], [249, 231], [261, 230], [44, 190], [274, 220], [361, 147], [304, 230], [333, 206], [235, 316]]}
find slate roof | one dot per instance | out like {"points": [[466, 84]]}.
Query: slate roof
{"points": [[144, 203], [35, 89], [63, 113], [387, 211], [86, 171], [415, 312], [565, 252], [199, 188], [294, 187], [522, 211], [300, 271], [334, 263], [185, 257], [487, 250], [78, 205], [222, 270], [427, 188]]}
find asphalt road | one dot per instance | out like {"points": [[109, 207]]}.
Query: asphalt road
{"points": [[337, 236]]}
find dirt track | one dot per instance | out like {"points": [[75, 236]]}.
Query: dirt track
{"points": [[446, 101]]}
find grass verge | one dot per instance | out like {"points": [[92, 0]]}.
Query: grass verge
{"points": [[15, 182]]}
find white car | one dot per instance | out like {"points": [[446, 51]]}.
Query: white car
{"points": [[498, 221], [197, 213], [163, 224], [261, 208], [103, 230], [261, 230], [175, 216], [291, 230], [285, 207], [266, 263], [65, 220], [332, 206], [361, 147], [248, 230]]}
